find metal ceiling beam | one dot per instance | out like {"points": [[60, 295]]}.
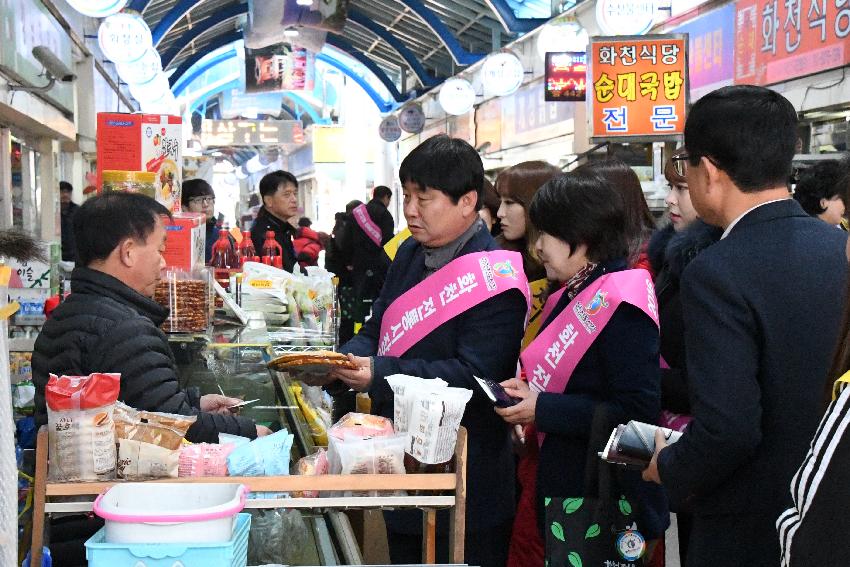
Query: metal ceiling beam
{"points": [[509, 21], [170, 19], [139, 5], [226, 13], [342, 44], [460, 55], [383, 105], [181, 70], [361, 19]]}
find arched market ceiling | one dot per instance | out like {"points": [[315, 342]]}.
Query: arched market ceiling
{"points": [[426, 40]]}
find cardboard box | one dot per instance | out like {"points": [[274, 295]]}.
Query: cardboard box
{"points": [[143, 142], [185, 243]]}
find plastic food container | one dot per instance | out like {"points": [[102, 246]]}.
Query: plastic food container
{"points": [[187, 296], [232, 553], [170, 512]]}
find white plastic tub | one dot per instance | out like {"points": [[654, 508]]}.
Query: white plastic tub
{"points": [[170, 512]]}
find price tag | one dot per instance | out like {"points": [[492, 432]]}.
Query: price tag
{"points": [[261, 284]]}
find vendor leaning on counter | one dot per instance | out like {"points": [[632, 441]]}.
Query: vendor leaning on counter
{"points": [[109, 323], [440, 274]]}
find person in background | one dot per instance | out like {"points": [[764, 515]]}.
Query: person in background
{"points": [[671, 249], [69, 252], [307, 243], [372, 227], [582, 239], [639, 222], [279, 193], [442, 182], [759, 334], [489, 211], [820, 193], [197, 196], [338, 257]]}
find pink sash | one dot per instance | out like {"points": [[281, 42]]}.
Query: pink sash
{"points": [[574, 329], [457, 287], [364, 221]]}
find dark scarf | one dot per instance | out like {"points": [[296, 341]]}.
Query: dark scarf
{"points": [[574, 284], [436, 258]]}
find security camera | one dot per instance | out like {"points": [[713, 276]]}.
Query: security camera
{"points": [[52, 64]]}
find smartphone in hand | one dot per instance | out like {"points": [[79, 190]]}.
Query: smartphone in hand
{"points": [[496, 394]]}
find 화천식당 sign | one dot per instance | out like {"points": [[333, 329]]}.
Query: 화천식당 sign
{"points": [[638, 87]]}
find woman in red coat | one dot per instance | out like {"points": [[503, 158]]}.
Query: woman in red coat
{"points": [[307, 244]]}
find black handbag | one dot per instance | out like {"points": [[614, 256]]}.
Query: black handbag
{"points": [[597, 528]]}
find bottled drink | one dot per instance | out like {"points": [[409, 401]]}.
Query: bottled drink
{"points": [[272, 252], [223, 259], [246, 249]]}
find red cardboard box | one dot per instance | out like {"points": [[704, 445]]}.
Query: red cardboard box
{"points": [[143, 142], [185, 242]]}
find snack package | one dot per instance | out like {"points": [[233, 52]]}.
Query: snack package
{"points": [[377, 455], [406, 389], [187, 296], [264, 456], [164, 430], [205, 459], [434, 423], [362, 425], [318, 427], [138, 460], [81, 432], [311, 465], [229, 438]]}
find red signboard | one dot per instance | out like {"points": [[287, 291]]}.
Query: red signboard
{"points": [[639, 86], [566, 74], [777, 41]]}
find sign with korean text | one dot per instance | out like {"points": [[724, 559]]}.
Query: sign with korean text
{"points": [[251, 132], [638, 87], [711, 50], [566, 76], [780, 40]]}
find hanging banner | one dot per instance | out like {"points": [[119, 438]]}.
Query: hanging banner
{"points": [[711, 50], [777, 41], [279, 68], [639, 87]]}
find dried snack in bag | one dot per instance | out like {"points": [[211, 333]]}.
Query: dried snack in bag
{"points": [[311, 465], [378, 455], [405, 390], [162, 429], [204, 459], [81, 433], [264, 456], [434, 423], [138, 460], [362, 425]]}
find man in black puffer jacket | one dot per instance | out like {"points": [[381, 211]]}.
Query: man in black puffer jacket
{"points": [[110, 323]]}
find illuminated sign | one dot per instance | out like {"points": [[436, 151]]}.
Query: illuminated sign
{"points": [[566, 76], [251, 132], [638, 87]]}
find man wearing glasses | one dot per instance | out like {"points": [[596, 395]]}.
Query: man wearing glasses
{"points": [[759, 336], [197, 196]]}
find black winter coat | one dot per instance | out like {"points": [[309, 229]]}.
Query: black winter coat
{"points": [[669, 252], [104, 326], [283, 233], [369, 261]]}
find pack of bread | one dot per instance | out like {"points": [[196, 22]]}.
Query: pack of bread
{"points": [[365, 444], [81, 432], [149, 442]]}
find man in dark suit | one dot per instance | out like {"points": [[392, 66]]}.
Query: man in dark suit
{"points": [[758, 327]]}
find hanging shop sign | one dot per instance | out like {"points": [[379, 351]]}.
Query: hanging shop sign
{"points": [[625, 17], [279, 68], [565, 76], [411, 119], [778, 41], [561, 36], [711, 45], [97, 8], [457, 96], [250, 132], [502, 74], [328, 15], [640, 87], [124, 37], [389, 129], [141, 70]]}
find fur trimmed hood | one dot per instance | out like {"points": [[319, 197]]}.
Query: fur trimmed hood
{"points": [[676, 250]]}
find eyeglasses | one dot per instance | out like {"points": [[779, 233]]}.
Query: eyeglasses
{"points": [[680, 164], [202, 200]]}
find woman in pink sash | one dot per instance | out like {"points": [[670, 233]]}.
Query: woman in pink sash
{"points": [[582, 220]]}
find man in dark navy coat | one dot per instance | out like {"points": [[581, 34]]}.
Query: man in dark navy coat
{"points": [[761, 317], [442, 180]]}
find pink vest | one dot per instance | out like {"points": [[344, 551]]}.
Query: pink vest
{"points": [[551, 358], [364, 221], [457, 287]]}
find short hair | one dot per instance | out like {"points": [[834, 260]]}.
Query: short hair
{"points": [[449, 165], [304, 221], [747, 131], [623, 179], [194, 188], [382, 191], [271, 182], [351, 205], [103, 221], [820, 181], [581, 207], [65, 186]]}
